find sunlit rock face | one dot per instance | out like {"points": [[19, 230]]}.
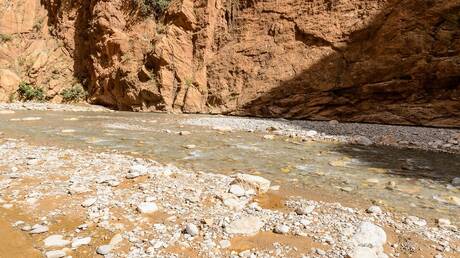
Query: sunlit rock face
{"points": [[349, 60]]}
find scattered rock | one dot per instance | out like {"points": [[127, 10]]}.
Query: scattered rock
{"points": [[55, 254], [281, 229], [184, 133], [38, 229], [371, 236], [362, 140], [192, 229], [104, 249], [136, 171], [363, 252], [257, 183], [374, 210], [413, 220], [305, 210], [249, 225], [55, 241], [89, 202], [269, 137], [456, 181], [77, 242], [237, 190], [225, 243], [147, 207]]}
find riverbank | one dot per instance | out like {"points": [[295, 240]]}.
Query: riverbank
{"points": [[426, 138], [412, 137], [80, 203]]}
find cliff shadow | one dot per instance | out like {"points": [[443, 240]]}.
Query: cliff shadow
{"points": [[402, 68]]}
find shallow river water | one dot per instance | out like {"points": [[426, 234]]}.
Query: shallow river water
{"points": [[412, 182]]}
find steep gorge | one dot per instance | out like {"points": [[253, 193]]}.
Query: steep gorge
{"points": [[383, 61]]}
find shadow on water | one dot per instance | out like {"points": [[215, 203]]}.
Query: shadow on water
{"points": [[406, 163], [395, 70]]}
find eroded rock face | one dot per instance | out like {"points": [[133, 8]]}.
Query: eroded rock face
{"points": [[379, 61], [28, 53]]}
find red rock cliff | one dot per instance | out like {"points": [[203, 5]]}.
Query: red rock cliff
{"points": [[382, 61]]}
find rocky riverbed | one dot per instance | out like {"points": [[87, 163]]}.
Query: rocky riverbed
{"points": [[81, 203], [83, 183]]}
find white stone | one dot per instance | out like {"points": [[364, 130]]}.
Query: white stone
{"points": [[370, 235], [362, 140], [147, 207], [305, 210], [137, 170], [311, 133], [116, 239], [192, 229], [374, 209], [55, 254], [190, 146], [281, 229], [233, 203], [258, 183], [413, 220], [104, 249], [183, 133], [7, 206], [77, 242], [443, 222], [89, 202], [363, 252], [249, 225], [237, 190], [55, 241], [225, 243], [38, 229], [456, 181]]}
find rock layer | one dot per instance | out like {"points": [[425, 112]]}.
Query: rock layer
{"points": [[381, 61]]}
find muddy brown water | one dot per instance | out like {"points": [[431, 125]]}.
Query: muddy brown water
{"points": [[412, 182]]}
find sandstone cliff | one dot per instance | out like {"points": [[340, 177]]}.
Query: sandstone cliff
{"points": [[382, 61]]}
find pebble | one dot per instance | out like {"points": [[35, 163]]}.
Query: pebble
{"points": [[237, 190], [258, 183], [455, 181], [362, 140], [443, 222], [77, 242], [370, 235], [104, 249], [320, 251], [38, 229], [225, 243], [413, 220], [281, 229], [147, 207], [249, 225], [363, 252], [55, 254], [192, 229], [89, 202], [136, 171], [55, 241], [311, 133], [269, 137], [374, 210], [305, 210], [184, 133], [7, 206]]}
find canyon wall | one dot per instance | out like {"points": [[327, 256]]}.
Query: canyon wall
{"points": [[383, 61]]}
